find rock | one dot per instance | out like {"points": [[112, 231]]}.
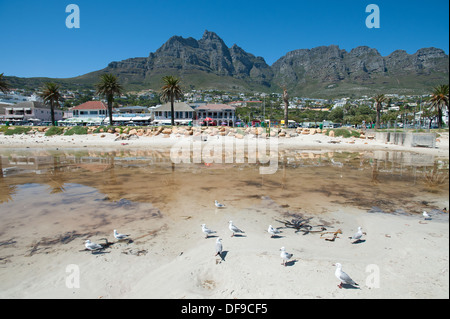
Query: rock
{"points": [[132, 132], [239, 136], [331, 134], [312, 131], [167, 131]]}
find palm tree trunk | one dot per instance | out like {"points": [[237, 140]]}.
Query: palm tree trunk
{"points": [[377, 124], [439, 117], [110, 110], [172, 113], [52, 112], [286, 105]]}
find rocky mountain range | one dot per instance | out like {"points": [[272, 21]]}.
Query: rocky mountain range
{"points": [[209, 63]]}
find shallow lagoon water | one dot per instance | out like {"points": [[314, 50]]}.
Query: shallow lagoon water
{"points": [[57, 196]]}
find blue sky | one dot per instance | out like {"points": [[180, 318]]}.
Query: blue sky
{"points": [[36, 42]]}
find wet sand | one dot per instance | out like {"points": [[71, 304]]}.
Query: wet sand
{"points": [[64, 197]]}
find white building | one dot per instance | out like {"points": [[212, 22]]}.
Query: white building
{"points": [[30, 111], [183, 113]]}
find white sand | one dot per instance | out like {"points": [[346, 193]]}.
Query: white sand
{"points": [[106, 140], [412, 256]]}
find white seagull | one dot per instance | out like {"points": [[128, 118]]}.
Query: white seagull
{"points": [[219, 205], [285, 256], [234, 229], [119, 236], [219, 247], [207, 231], [343, 277], [426, 215], [357, 236], [92, 246], [273, 231]]}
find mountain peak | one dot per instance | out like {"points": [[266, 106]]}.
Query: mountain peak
{"points": [[209, 35]]}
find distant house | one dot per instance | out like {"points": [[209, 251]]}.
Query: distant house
{"points": [[183, 113], [90, 112], [30, 111], [219, 113]]}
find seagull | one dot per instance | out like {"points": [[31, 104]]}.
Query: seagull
{"points": [[92, 246], [273, 231], [219, 247], [219, 205], [234, 229], [207, 231], [357, 236], [119, 236], [285, 256], [343, 277], [426, 215]]}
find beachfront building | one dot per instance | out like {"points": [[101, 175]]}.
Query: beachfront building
{"points": [[30, 111], [183, 114], [139, 115], [221, 114], [90, 112]]}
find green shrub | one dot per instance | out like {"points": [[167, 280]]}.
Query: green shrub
{"points": [[17, 130], [54, 130], [77, 130], [344, 133]]}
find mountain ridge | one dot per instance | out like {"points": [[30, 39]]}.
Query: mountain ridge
{"points": [[208, 63]]}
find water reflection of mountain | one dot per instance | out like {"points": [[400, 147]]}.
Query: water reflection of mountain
{"points": [[150, 176]]}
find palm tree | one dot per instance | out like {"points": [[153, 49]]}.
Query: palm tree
{"points": [[286, 104], [439, 98], [109, 87], [51, 96], [171, 91], [379, 100], [4, 87]]}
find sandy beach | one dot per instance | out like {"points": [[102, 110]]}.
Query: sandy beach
{"points": [[400, 255], [109, 141]]}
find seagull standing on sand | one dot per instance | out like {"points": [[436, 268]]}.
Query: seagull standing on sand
{"points": [[219, 205], [273, 231], [207, 231], [343, 277], [426, 215], [92, 246], [285, 256], [234, 229], [219, 247], [119, 236], [357, 236]]}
